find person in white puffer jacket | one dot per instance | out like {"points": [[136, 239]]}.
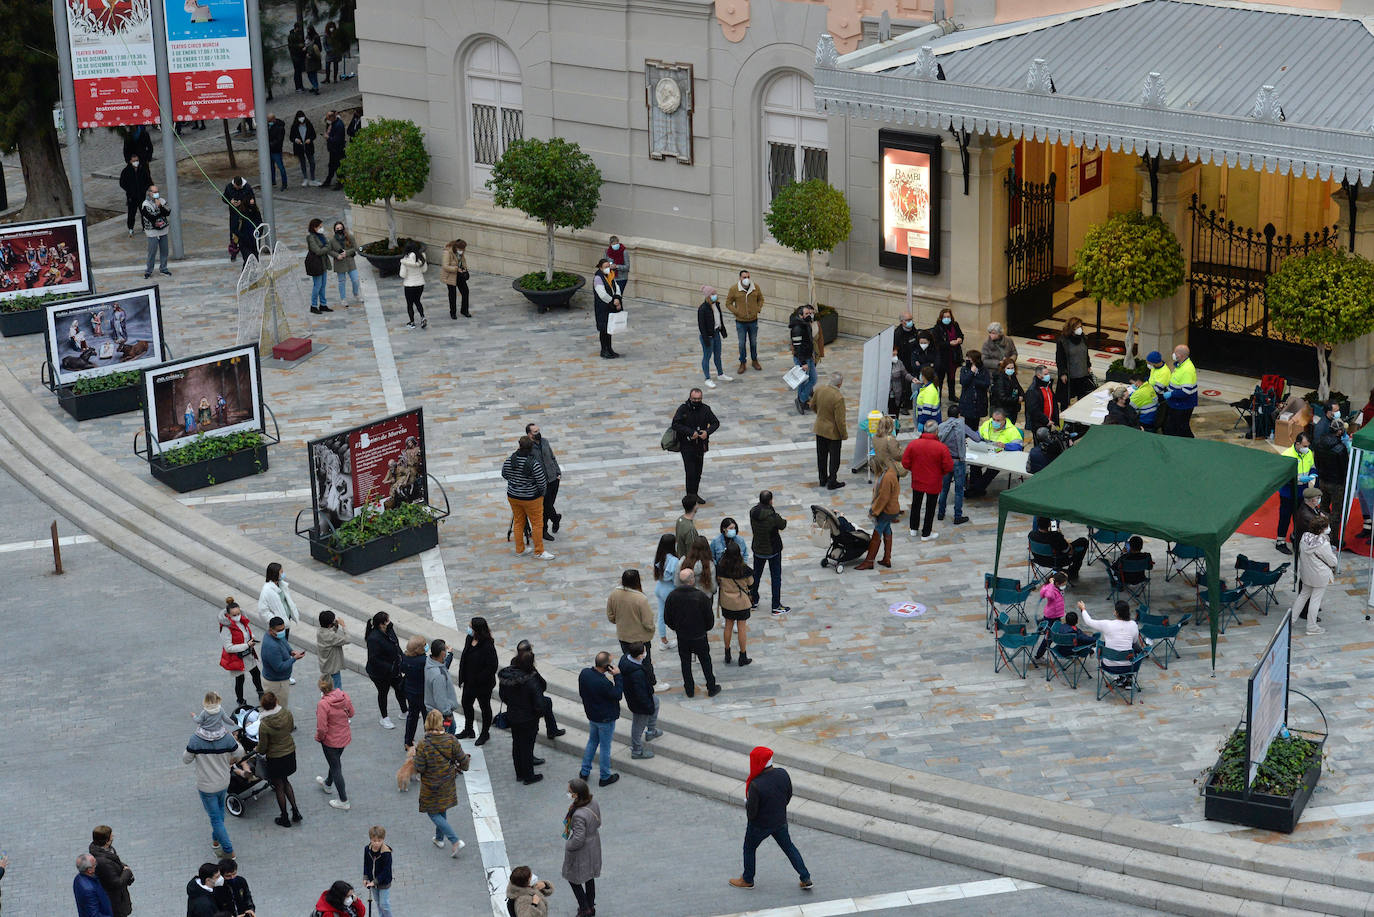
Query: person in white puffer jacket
{"points": [[413, 277], [1316, 570]]}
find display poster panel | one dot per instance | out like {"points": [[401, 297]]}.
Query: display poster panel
{"points": [[115, 80], [214, 394], [1267, 701], [96, 335], [379, 465], [47, 256], [909, 200], [208, 60]]}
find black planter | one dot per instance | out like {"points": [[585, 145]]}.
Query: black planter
{"points": [[100, 404], [1118, 375], [183, 478], [386, 265], [830, 326], [1270, 813], [14, 324], [376, 553], [547, 299]]}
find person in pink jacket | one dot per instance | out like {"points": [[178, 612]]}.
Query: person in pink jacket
{"points": [[332, 714]]}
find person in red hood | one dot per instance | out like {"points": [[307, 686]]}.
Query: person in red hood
{"points": [[339, 900], [766, 795], [929, 461], [332, 714]]}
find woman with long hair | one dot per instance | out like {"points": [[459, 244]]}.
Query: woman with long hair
{"points": [[439, 759], [278, 749], [698, 558], [1075, 366], [384, 663], [949, 342], [413, 266], [339, 900], [316, 259], [238, 648], [454, 273], [665, 580], [582, 845], [735, 581], [477, 677], [1007, 392]]}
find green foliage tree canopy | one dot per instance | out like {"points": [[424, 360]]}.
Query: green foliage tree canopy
{"points": [[1131, 258], [809, 217], [387, 161], [551, 181], [1325, 296], [28, 81]]}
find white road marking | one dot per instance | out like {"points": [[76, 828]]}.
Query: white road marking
{"points": [[381, 344], [888, 900], [436, 583], [62, 541], [486, 825]]}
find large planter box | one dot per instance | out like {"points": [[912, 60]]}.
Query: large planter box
{"points": [[100, 404], [1269, 813], [15, 324], [830, 326], [378, 552], [386, 265], [184, 478], [547, 299]]}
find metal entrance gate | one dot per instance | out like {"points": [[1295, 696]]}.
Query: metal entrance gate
{"points": [[1228, 315], [1030, 253]]}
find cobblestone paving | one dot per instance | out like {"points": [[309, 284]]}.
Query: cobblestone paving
{"points": [[840, 670]]}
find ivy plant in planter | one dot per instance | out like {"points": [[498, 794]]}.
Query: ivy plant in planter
{"points": [[1283, 784], [1130, 260], [554, 182], [21, 315], [100, 396], [1325, 296], [809, 217], [387, 161], [208, 460], [374, 537]]}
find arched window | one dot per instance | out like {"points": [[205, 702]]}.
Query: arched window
{"points": [[794, 134], [495, 114]]}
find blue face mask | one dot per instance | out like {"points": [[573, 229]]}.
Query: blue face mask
{"points": [[998, 424], [714, 297], [908, 325], [470, 632], [1010, 371], [730, 533], [946, 320]]}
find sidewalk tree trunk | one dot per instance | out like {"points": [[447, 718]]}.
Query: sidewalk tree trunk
{"points": [[387, 161], [28, 92], [809, 217], [1325, 296], [551, 181], [1130, 260]]}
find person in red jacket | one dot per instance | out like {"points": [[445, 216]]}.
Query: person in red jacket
{"points": [[339, 900], [929, 461], [332, 714]]}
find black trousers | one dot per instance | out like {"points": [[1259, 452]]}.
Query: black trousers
{"points": [[334, 160], [415, 709], [297, 70], [483, 699], [648, 658], [522, 748], [550, 497], [550, 724], [413, 302], [827, 458], [238, 683], [605, 342], [453, 290], [701, 649], [1178, 422], [929, 518], [385, 686], [692, 462], [133, 206]]}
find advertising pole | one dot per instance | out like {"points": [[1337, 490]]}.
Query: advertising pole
{"points": [[169, 138], [260, 115], [64, 66]]}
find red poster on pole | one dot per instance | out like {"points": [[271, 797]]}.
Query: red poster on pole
{"points": [[208, 60], [112, 61]]}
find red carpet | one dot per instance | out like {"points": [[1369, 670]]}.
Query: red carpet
{"points": [[1265, 520]]}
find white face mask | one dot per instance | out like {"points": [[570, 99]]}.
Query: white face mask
{"points": [[715, 297], [895, 359], [300, 120], [615, 247], [348, 902], [1078, 331], [219, 880], [572, 797], [745, 283]]}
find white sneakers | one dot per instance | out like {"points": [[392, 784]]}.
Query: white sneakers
{"points": [[912, 532], [724, 378], [457, 847], [546, 556], [662, 686], [529, 549], [340, 804], [710, 384], [387, 724], [931, 537], [324, 786]]}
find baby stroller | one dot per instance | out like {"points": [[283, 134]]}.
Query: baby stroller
{"points": [[248, 777], [847, 543]]}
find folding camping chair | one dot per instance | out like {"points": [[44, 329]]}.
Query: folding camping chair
{"points": [[1040, 563], [1106, 545], [1159, 641], [1231, 600], [1121, 588], [1006, 595], [1066, 660], [1010, 644], [1250, 411], [1125, 682], [1261, 582], [1181, 559]]}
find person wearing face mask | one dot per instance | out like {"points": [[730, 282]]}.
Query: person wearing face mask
{"points": [[605, 300], [923, 354], [1330, 412], [276, 138], [1006, 392], [803, 352], [339, 900], [927, 400], [335, 141], [155, 218], [710, 331], [134, 180], [899, 387], [1158, 379], [1075, 366], [1143, 399], [1000, 432], [621, 259], [694, 423], [454, 273], [1307, 509], [317, 250], [235, 194], [477, 677], [949, 346], [975, 381], [1332, 449], [903, 341], [582, 846], [744, 300], [200, 891], [413, 281], [384, 663], [830, 429], [553, 474], [729, 534], [343, 251], [1120, 411], [1316, 571], [303, 146], [1182, 397], [1042, 408]]}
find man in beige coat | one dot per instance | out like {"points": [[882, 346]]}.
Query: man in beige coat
{"points": [[830, 430], [629, 610], [745, 302]]}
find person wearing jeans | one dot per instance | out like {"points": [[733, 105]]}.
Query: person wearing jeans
{"points": [[639, 697], [154, 216], [767, 526], [316, 263], [343, 252], [332, 714], [745, 301], [955, 433], [276, 138], [377, 868], [439, 758], [766, 795], [710, 331], [600, 686], [212, 782]]}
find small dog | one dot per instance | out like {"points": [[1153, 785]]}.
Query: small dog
{"points": [[407, 772]]}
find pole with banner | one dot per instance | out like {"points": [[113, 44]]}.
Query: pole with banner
{"points": [[169, 135], [260, 116], [73, 130]]}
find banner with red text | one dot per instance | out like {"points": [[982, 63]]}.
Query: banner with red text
{"points": [[112, 61], [208, 60]]}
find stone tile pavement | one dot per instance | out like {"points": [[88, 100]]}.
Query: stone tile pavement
{"points": [[841, 670]]}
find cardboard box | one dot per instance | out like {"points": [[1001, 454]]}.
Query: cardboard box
{"points": [[1287, 427]]}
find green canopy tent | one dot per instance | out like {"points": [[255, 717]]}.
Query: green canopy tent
{"points": [[1188, 491], [1361, 452]]}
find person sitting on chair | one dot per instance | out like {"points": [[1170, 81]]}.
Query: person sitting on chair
{"points": [[1067, 556], [1135, 550], [1069, 625], [1121, 634]]}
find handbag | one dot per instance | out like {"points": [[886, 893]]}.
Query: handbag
{"points": [[617, 322], [500, 721], [794, 377], [669, 441]]}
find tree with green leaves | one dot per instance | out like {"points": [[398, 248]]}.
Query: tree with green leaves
{"points": [[28, 92], [551, 181], [809, 216], [1130, 260], [1325, 296], [386, 161]]}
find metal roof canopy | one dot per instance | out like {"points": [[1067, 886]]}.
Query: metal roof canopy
{"points": [[1202, 80]]}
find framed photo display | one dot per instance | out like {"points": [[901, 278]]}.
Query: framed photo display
{"points": [[379, 464], [96, 335], [213, 394], [909, 189], [45, 256]]}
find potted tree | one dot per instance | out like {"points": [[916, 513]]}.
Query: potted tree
{"points": [[1325, 296], [809, 217], [387, 161], [554, 182], [1130, 259], [1282, 786]]}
